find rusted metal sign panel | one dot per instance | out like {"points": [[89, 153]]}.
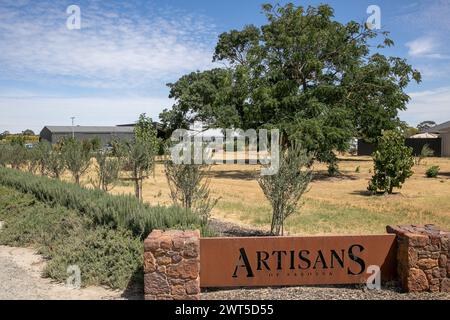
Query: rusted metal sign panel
{"points": [[284, 261]]}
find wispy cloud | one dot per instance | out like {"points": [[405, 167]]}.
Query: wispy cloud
{"points": [[425, 47], [428, 105], [427, 15], [119, 45]]}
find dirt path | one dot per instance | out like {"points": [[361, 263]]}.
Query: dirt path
{"points": [[20, 278]]}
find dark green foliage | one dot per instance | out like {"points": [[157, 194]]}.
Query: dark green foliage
{"points": [[425, 125], [432, 172], [28, 132], [285, 188], [114, 211], [303, 72], [392, 163]]}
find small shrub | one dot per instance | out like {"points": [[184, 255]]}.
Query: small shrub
{"points": [[392, 163], [358, 169], [104, 256], [432, 172], [424, 153]]}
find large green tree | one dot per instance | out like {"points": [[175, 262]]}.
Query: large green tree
{"points": [[319, 81]]}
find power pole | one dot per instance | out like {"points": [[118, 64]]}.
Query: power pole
{"points": [[73, 127]]}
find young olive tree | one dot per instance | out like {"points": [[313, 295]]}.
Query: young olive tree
{"points": [[18, 157], [55, 164], [393, 162], [424, 153], [285, 188], [108, 169], [139, 155], [189, 188], [41, 152], [77, 158], [32, 160], [5, 154]]}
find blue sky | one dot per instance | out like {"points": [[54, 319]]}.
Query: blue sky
{"points": [[117, 65]]}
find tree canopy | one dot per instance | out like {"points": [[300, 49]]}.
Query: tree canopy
{"points": [[317, 80], [425, 125]]}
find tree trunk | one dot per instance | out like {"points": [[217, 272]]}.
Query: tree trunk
{"points": [[136, 188]]}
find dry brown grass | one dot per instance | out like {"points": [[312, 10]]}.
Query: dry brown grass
{"points": [[337, 205]]}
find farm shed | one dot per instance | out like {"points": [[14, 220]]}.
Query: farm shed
{"points": [[437, 138], [54, 134], [443, 130], [366, 149]]}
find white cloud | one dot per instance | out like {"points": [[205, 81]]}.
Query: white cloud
{"points": [[118, 45], [428, 105], [427, 47]]}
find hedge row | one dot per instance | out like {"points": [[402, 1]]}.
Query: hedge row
{"points": [[104, 209]]}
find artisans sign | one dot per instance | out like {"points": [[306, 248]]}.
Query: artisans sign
{"points": [[279, 261]]}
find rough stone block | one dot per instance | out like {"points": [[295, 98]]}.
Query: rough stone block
{"points": [[417, 281], [426, 264], [156, 284]]}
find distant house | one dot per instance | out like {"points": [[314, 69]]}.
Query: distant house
{"points": [[436, 138], [443, 130], [55, 134]]}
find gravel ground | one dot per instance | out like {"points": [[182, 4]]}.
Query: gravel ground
{"points": [[320, 293], [20, 279]]}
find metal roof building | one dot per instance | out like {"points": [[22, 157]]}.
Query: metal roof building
{"points": [[55, 134], [443, 130]]}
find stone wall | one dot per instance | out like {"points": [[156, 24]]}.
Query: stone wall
{"points": [[423, 258], [172, 265]]}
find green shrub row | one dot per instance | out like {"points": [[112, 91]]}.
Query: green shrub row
{"points": [[109, 257], [104, 209]]}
